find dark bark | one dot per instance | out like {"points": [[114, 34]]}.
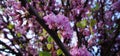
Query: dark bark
{"points": [[52, 33], [9, 48]]}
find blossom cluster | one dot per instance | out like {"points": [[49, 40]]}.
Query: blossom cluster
{"points": [[60, 22], [92, 24], [80, 52], [116, 6]]}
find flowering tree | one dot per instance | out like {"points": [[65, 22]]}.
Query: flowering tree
{"points": [[60, 27]]}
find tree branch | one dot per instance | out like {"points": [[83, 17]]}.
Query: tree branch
{"points": [[78, 18], [54, 35], [8, 47], [5, 51]]}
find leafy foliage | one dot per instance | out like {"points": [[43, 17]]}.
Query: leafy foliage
{"points": [[59, 52], [44, 53], [82, 23]]}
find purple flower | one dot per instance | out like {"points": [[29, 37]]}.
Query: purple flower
{"points": [[20, 29], [108, 15], [60, 22], [116, 6], [86, 32], [31, 50], [9, 2], [17, 5], [2, 24], [50, 20], [79, 52], [100, 24]]}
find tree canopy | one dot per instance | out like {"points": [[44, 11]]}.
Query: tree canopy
{"points": [[60, 27]]}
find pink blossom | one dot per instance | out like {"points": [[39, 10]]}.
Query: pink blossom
{"points": [[116, 6], [80, 51], [60, 22], [108, 15], [17, 5]]}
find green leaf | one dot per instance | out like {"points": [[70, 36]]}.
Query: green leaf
{"points": [[59, 35], [18, 35], [44, 53], [93, 22], [97, 6], [29, 0], [49, 46], [49, 39], [10, 26], [59, 52], [44, 32], [100, 41], [91, 30], [21, 46], [82, 23]]}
